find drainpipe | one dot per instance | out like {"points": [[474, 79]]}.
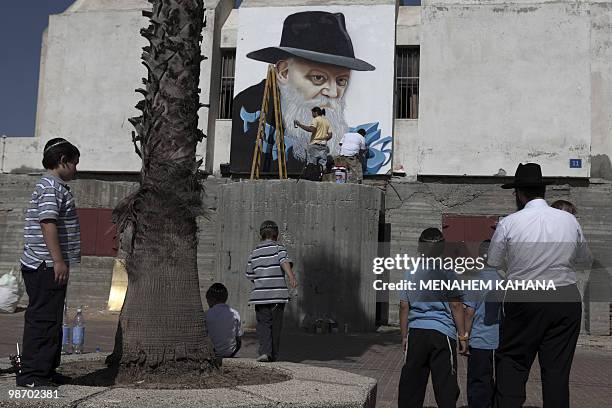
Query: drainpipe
{"points": [[3, 150]]}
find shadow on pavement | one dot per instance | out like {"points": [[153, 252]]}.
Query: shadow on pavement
{"points": [[298, 347]]}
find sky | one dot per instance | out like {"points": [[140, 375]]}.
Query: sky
{"points": [[22, 23]]}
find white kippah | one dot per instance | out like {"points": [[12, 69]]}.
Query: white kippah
{"points": [[55, 144]]}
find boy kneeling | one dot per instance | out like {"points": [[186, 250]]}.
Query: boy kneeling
{"points": [[222, 322]]}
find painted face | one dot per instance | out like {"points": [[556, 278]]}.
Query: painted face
{"points": [[312, 79]]}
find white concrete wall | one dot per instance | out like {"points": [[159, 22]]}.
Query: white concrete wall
{"points": [[217, 12], [223, 138], [503, 83], [405, 147], [408, 30], [90, 67], [20, 154], [601, 89], [230, 30]]}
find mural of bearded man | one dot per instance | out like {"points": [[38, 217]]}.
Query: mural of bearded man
{"points": [[313, 66]]}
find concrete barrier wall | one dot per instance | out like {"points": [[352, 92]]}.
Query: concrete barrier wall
{"points": [[235, 209], [90, 281], [331, 233], [411, 207]]}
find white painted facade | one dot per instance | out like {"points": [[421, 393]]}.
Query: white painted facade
{"points": [[501, 82]]}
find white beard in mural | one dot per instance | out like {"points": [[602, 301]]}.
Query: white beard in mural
{"points": [[296, 107]]}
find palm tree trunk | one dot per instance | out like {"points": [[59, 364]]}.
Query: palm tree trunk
{"points": [[162, 320]]}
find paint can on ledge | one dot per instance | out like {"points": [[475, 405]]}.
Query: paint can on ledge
{"points": [[339, 174]]}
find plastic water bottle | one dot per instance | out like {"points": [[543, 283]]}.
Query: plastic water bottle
{"points": [[78, 332], [65, 333]]}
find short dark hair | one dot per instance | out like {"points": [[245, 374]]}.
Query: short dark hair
{"points": [[217, 293], [533, 192], [318, 111], [362, 132], [564, 206], [268, 230], [431, 242], [57, 148]]}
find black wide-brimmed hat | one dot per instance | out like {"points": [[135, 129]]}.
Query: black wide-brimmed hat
{"points": [[316, 36], [527, 175]]}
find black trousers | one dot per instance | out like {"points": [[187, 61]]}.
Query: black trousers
{"points": [[269, 325], [550, 330], [480, 385], [429, 351], [42, 332]]}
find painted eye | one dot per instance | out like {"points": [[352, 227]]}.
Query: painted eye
{"points": [[342, 82], [318, 79]]}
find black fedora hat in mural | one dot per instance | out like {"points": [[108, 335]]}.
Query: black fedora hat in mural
{"points": [[316, 36], [527, 175]]}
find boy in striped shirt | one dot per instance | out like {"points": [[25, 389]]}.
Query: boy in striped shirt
{"points": [[52, 244], [266, 268]]}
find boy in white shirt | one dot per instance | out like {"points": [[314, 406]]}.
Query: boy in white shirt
{"points": [[222, 322]]}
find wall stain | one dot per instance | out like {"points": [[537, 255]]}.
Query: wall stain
{"points": [[539, 153], [601, 167]]}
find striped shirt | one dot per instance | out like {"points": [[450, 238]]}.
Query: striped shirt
{"points": [[264, 270], [51, 200]]}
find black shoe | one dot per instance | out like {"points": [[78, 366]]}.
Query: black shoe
{"points": [[60, 379], [36, 383]]}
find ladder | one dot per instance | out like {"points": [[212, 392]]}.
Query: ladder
{"points": [[270, 90]]}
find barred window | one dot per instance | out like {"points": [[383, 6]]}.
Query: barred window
{"points": [[226, 87], [407, 82]]}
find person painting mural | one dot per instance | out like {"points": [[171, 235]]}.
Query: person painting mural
{"points": [[313, 64], [317, 150]]}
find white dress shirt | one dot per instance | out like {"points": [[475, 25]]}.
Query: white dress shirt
{"points": [[539, 243], [223, 326]]}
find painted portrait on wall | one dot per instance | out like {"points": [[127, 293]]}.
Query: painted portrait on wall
{"points": [[328, 57]]}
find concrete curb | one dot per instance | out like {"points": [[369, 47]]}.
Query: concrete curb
{"points": [[309, 387]]}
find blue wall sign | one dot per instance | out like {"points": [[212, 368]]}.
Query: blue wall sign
{"points": [[575, 163]]}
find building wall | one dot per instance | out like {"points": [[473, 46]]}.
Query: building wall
{"points": [[89, 84], [408, 31], [540, 73], [405, 148], [503, 83], [601, 89], [223, 136], [90, 67], [217, 13]]}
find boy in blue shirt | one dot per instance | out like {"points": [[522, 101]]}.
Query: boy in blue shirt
{"points": [[482, 317], [429, 322]]}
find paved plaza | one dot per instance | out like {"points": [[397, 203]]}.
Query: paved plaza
{"points": [[375, 355]]}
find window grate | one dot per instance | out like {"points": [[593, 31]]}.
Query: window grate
{"points": [[226, 87], [407, 82]]}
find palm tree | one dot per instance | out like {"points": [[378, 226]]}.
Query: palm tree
{"points": [[161, 323]]}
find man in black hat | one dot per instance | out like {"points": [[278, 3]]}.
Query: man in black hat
{"points": [[313, 65], [537, 243]]}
